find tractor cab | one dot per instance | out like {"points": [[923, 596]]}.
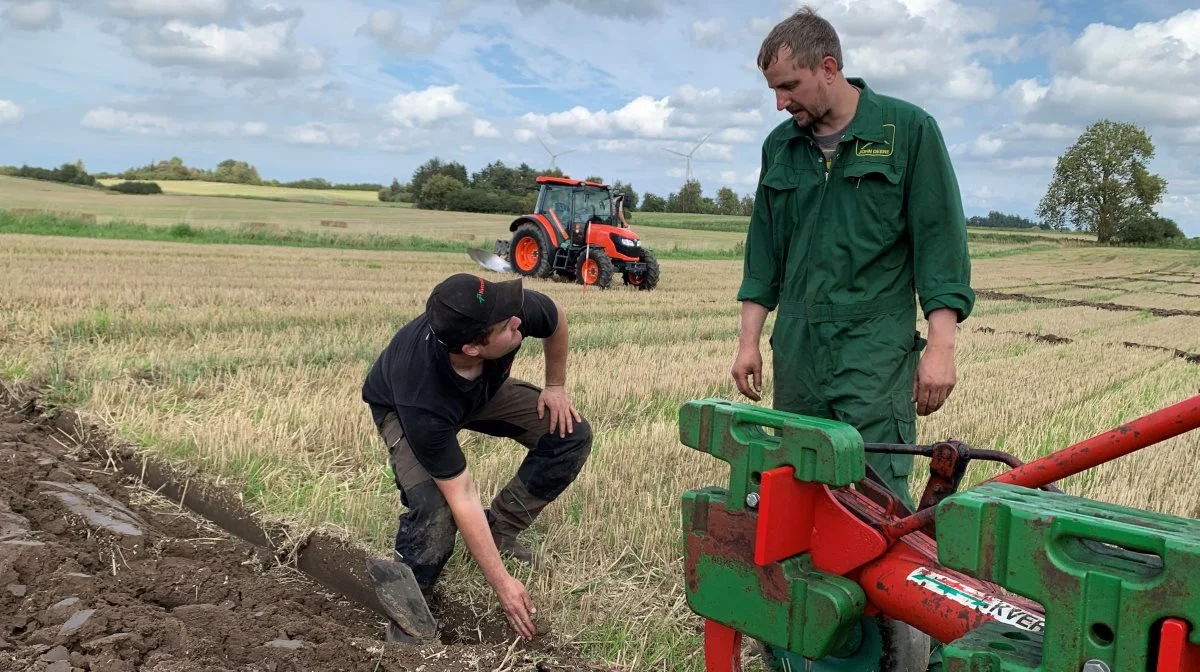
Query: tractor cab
{"points": [[574, 205]]}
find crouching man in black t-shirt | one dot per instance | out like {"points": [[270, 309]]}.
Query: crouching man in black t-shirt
{"points": [[448, 370]]}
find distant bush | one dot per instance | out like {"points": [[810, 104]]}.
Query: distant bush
{"points": [[473, 199], [1149, 230], [137, 188], [322, 183], [397, 193], [999, 220]]}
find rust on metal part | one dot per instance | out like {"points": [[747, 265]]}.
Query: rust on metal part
{"points": [[730, 535]]}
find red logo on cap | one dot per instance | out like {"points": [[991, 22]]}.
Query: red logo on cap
{"points": [[479, 295]]}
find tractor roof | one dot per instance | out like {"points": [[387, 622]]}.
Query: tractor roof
{"points": [[546, 179]]}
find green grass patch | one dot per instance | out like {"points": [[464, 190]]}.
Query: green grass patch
{"points": [[671, 220], [48, 225], [1013, 251]]}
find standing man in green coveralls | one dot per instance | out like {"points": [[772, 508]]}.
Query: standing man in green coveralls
{"points": [[857, 210]]}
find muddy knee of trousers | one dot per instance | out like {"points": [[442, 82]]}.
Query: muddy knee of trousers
{"points": [[553, 465], [426, 533]]}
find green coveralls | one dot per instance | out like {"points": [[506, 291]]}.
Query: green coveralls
{"points": [[838, 253]]}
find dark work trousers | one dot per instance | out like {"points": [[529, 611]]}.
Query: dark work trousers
{"points": [[426, 533]]}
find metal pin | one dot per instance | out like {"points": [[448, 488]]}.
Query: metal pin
{"points": [[752, 500]]}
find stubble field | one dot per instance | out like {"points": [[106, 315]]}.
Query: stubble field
{"points": [[246, 362]]}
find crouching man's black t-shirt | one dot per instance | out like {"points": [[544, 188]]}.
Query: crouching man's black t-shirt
{"points": [[414, 379]]}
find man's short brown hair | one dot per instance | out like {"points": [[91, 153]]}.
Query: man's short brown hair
{"points": [[810, 38]]}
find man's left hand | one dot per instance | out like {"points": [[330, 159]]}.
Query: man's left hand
{"points": [[935, 378], [563, 415]]}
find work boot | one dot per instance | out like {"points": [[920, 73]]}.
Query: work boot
{"points": [[403, 601], [512, 511]]}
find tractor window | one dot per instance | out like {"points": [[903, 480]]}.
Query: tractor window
{"points": [[593, 204], [558, 199]]}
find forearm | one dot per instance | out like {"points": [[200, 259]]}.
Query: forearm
{"points": [[943, 327], [463, 499], [754, 316], [555, 348]]}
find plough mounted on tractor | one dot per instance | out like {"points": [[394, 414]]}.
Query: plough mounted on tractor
{"points": [[807, 553], [575, 233]]}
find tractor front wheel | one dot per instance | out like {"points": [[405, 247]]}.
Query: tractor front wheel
{"points": [[647, 279], [530, 252], [594, 268]]}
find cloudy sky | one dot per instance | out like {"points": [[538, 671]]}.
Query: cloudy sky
{"points": [[366, 90]]}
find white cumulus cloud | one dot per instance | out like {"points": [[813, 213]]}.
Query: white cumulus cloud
{"points": [[10, 112], [115, 120], [421, 109], [264, 50], [688, 114], [918, 49], [109, 119], [35, 15], [1147, 73], [484, 129], [316, 133]]}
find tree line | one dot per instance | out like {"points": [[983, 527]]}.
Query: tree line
{"points": [[499, 188], [230, 171], [1100, 185]]}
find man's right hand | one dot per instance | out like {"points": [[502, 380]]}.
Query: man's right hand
{"points": [[463, 499], [518, 608], [747, 371]]}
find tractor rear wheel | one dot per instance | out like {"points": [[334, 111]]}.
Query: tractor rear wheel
{"points": [[647, 279], [594, 268], [530, 252]]}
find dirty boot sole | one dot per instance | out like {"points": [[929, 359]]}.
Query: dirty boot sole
{"points": [[401, 597]]}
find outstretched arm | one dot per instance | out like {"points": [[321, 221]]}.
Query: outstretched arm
{"points": [[463, 499]]}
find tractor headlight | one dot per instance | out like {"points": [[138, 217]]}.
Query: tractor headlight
{"points": [[628, 242]]}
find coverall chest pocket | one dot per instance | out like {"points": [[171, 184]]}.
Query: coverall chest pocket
{"points": [[876, 199], [781, 183]]}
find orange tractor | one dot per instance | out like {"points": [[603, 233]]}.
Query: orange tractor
{"points": [[576, 232]]}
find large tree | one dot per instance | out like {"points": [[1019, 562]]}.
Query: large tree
{"points": [[1101, 183], [727, 202]]}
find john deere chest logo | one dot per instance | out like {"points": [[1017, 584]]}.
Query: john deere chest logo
{"points": [[479, 294], [878, 148]]}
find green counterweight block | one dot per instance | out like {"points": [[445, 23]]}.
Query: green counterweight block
{"points": [[825, 451], [787, 604], [1106, 575]]}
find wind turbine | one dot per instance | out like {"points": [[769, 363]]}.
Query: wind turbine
{"points": [[553, 156], [688, 156]]}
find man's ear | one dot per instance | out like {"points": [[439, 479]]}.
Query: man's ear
{"points": [[829, 68], [470, 350]]}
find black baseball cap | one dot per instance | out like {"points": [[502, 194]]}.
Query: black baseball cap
{"points": [[463, 306]]}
